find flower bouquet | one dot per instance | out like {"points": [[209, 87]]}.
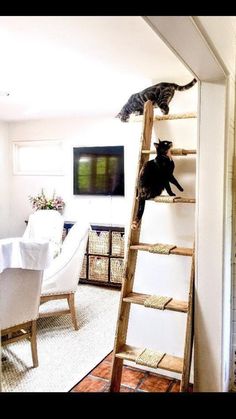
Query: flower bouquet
{"points": [[41, 202]]}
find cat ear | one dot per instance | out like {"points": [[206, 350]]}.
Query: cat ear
{"points": [[156, 144]]}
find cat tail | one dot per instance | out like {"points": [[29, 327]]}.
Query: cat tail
{"points": [[187, 86], [141, 205]]}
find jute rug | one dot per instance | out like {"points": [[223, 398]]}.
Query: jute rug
{"points": [[65, 355]]}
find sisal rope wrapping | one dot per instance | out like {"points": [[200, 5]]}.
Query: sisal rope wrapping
{"points": [[178, 151], [161, 248], [149, 358], [165, 198], [157, 301]]}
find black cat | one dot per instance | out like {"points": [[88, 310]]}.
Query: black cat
{"points": [[160, 94], [154, 177]]}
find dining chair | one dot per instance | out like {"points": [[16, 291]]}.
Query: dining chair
{"points": [[60, 279], [19, 306], [46, 225]]}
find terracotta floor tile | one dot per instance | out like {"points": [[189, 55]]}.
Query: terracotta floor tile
{"points": [[123, 389], [108, 358], [89, 385], [133, 380], [131, 377], [103, 370], [154, 383], [176, 387]]}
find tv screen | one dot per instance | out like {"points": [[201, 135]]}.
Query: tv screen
{"points": [[99, 170]]}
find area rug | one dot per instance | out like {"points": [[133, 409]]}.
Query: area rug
{"points": [[65, 355]]}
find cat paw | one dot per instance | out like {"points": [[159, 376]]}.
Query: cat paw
{"points": [[181, 189], [172, 194]]}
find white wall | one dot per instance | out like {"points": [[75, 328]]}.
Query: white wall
{"points": [[4, 183], [209, 325], [73, 132]]}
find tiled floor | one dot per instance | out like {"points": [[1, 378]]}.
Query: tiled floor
{"points": [[133, 380]]}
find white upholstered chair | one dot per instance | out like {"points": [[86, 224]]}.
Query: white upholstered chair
{"points": [[61, 279], [19, 305], [46, 225]]}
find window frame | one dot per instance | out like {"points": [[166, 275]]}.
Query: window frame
{"points": [[17, 145]]}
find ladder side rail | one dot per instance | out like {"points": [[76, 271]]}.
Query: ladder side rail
{"points": [[131, 256]]}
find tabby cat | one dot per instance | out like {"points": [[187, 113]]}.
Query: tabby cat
{"points": [[160, 94], [154, 177]]}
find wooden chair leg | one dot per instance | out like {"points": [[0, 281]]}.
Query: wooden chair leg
{"points": [[33, 342], [71, 303]]}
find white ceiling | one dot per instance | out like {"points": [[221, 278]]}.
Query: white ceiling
{"points": [[68, 66]]}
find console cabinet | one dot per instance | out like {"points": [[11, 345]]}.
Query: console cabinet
{"points": [[104, 258]]}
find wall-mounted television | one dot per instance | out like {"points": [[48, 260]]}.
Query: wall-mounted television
{"points": [[99, 170]]}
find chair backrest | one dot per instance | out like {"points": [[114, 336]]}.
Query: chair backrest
{"points": [[20, 291], [63, 274], [46, 225]]}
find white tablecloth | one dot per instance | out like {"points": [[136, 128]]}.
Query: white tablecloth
{"points": [[24, 253]]}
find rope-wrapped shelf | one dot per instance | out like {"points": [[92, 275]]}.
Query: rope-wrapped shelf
{"points": [[168, 362], [162, 248], [174, 152], [147, 301], [165, 199], [187, 115]]}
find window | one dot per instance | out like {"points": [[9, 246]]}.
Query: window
{"points": [[99, 170], [37, 158]]}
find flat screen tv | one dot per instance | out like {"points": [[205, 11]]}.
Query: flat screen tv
{"points": [[99, 170]]}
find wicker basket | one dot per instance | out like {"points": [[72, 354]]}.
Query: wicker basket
{"points": [[99, 242], [98, 268], [117, 270], [83, 273], [117, 244]]}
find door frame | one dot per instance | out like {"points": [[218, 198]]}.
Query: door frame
{"points": [[213, 223]]}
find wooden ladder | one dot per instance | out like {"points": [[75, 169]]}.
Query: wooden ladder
{"points": [[122, 351]]}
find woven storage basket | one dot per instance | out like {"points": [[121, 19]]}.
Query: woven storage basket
{"points": [[99, 242], [116, 270], [83, 270], [98, 268], [117, 243]]}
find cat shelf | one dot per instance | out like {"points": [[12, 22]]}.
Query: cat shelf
{"points": [[138, 118], [174, 152]]}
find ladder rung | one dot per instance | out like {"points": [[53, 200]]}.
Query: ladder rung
{"points": [[138, 118], [177, 200], [168, 362], [180, 251], [174, 305], [174, 152]]}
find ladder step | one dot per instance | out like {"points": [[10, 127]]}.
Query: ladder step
{"points": [[180, 251], [168, 362], [174, 152], [166, 199], [176, 199], [173, 305], [138, 118]]}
